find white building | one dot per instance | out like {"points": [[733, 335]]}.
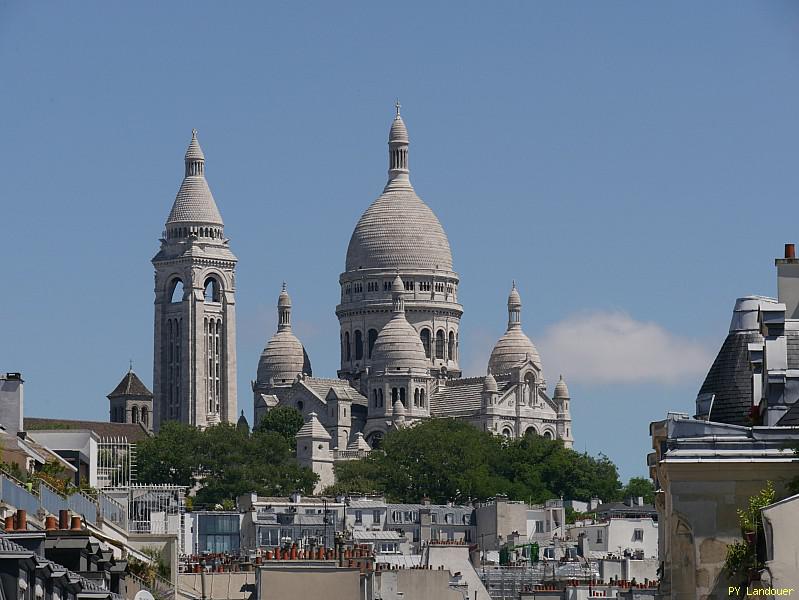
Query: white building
{"points": [[399, 318]]}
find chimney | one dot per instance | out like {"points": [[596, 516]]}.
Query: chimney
{"points": [[22, 520], [63, 519], [788, 282], [11, 402]]}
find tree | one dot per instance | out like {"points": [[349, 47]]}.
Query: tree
{"points": [[172, 456], [639, 487], [223, 461], [284, 420], [450, 460]]}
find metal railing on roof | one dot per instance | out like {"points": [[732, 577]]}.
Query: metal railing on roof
{"points": [[17, 496]]}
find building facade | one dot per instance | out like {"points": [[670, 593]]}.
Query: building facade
{"points": [[194, 370], [399, 318]]}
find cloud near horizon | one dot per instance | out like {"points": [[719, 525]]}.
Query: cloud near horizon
{"points": [[614, 348]]}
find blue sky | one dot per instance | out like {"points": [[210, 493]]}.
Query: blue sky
{"points": [[633, 165]]}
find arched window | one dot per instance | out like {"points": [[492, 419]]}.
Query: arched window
{"points": [[425, 335], [358, 345], [440, 343], [176, 291], [380, 396], [372, 340], [507, 432], [416, 397], [145, 417], [134, 414], [212, 292], [530, 432], [451, 346], [421, 398], [547, 435], [402, 397], [347, 355], [394, 395]]}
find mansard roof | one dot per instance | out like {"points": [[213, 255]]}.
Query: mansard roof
{"points": [[730, 379]]}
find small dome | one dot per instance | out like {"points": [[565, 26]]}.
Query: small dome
{"points": [[398, 347], [194, 152], [398, 131], [514, 299], [490, 384], [284, 300], [561, 391], [397, 287], [283, 359], [242, 423], [399, 408], [511, 349]]}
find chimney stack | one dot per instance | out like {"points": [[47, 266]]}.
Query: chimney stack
{"points": [[11, 402], [788, 282]]}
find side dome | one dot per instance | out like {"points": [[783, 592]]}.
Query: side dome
{"points": [[283, 359], [398, 230], [398, 346], [513, 347], [284, 356], [561, 391]]}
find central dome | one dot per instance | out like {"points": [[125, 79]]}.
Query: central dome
{"points": [[398, 231]]}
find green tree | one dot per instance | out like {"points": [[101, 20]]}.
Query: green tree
{"points": [[284, 420], [446, 459], [639, 487], [173, 456], [223, 461]]}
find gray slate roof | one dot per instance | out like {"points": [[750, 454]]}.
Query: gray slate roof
{"points": [[130, 385], [790, 418], [321, 386], [463, 395], [730, 379]]}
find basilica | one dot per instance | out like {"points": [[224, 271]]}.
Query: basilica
{"points": [[399, 317]]}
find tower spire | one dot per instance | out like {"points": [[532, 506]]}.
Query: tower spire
{"points": [[284, 310], [398, 143], [514, 308], [397, 292], [195, 159]]}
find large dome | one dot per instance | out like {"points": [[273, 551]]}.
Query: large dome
{"points": [[398, 231]]}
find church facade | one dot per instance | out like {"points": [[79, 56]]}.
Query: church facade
{"points": [[399, 318]]}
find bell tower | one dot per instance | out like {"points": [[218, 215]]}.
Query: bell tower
{"points": [[194, 358]]}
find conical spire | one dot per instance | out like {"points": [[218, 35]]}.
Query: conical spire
{"points": [[398, 143], [194, 202], [195, 159]]}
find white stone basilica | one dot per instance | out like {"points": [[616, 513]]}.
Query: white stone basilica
{"points": [[399, 317]]}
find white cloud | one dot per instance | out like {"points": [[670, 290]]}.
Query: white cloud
{"points": [[612, 347]]}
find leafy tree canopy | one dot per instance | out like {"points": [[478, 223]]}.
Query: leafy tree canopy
{"points": [[640, 487], [446, 459], [223, 461], [283, 420]]}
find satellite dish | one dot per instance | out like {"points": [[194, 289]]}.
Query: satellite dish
{"points": [[143, 595]]}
